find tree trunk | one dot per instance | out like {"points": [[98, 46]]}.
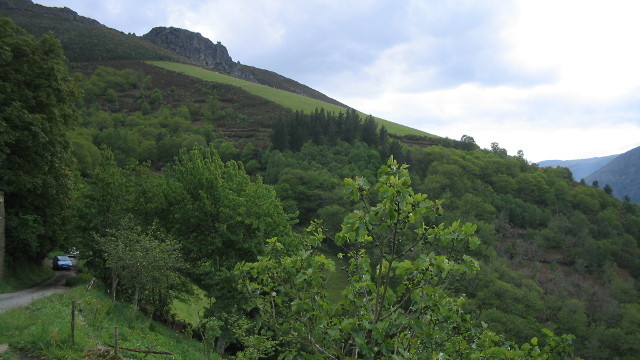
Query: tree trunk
{"points": [[114, 285], [2, 238], [221, 344], [136, 294]]}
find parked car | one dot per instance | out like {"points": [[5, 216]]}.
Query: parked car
{"points": [[62, 262]]}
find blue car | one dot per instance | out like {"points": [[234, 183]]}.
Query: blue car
{"points": [[62, 262]]}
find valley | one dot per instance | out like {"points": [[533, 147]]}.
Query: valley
{"points": [[312, 229]]}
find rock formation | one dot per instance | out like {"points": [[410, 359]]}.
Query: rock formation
{"points": [[196, 47]]}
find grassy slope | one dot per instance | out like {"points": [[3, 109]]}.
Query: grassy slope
{"points": [[284, 98], [43, 328]]}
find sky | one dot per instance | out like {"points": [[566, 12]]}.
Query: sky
{"points": [[558, 79]]}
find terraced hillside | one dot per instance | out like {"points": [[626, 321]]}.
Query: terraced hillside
{"points": [[179, 89], [287, 99]]}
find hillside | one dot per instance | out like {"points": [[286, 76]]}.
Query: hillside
{"points": [[212, 56], [294, 101], [622, 174], [85, 40], [182, 176], [580, 168], [82, 39], [257, 114]]}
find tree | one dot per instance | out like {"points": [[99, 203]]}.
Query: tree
{"points": [[306, 191], [496, 149], [147, 261], [468, 139], [396, 304], [370, 131], [608, 189], [36, 166], [468, 142]]}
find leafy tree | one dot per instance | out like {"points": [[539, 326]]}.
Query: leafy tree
{"points": [[370, 131], [468, 142], [36, 166], [396, 304], [103, 200], [147, 261], [307, 191], [156, 97], [608, 189]]}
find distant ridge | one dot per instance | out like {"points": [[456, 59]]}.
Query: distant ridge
{"points": [[580, 168], [622, 174]]}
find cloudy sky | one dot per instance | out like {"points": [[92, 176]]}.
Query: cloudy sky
{"points": [[557, 79]]}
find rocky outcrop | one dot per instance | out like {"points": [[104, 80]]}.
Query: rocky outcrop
{"points": [[203, 51], [198, 48]]}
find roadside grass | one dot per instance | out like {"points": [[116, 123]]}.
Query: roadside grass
{"points": [[43, 329], [24, 275], [285, 98]]}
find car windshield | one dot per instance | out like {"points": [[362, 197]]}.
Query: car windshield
{"points": [[64, 258]]}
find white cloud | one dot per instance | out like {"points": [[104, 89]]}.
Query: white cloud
{"points": [[588, 45], [538, 120], [551, 142], [243, 26]]}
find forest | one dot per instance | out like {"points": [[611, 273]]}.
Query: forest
{"points": [[332, 239]]}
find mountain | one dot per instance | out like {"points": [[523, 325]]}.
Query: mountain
{"points": [[580, 168], [622, 174], [205, 53], [83, 39], [86, 40], [196, 47]]}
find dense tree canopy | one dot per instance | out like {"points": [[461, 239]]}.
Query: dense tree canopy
{"points": [[37, 106], [396, 304]]}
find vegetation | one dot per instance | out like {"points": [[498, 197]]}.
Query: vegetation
{"points": [[287, 99], [154, 166], [81, 38], [36, 109], [396, 304], [43, 330], [24, 275]]}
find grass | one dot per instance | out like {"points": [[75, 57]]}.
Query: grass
{"points": [[192, 310], [338, 279], [43, 329], [284, 98], [24, 275]]}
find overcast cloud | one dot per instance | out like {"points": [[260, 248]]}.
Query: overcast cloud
{"points": [[556, 79]]}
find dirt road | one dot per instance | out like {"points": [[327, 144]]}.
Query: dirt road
{"points": [[24, 297]]}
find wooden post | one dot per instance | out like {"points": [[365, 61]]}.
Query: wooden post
{"points": [[73, 323], [115, 333], [2, 238]]}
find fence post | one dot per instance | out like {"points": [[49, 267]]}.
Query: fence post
{"points": [[2, 234], [115, 333], [73, 323]]}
